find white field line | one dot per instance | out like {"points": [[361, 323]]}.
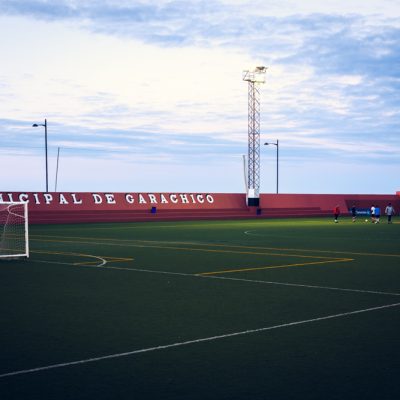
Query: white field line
{"points": [[194, 341], [151, 271], [102, 263], [252, 281], [302, 285]]}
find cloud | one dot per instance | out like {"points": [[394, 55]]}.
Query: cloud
{"points": [[162, 81]]}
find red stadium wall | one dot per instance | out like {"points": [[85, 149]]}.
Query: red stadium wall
{"points": [[120, 207], [321, 204], [114, 207]]}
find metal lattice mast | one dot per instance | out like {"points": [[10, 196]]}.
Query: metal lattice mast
{"points": [[254, 79], [254, 137]]}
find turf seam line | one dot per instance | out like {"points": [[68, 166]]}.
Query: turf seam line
{"points": [[194, 341]]}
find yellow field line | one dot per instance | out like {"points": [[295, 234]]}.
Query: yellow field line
{"points": [[275, 266], [195, 249], [108, 259], [58, 253], [107, 240], [119, 259], [85, 263], [231, 251]]}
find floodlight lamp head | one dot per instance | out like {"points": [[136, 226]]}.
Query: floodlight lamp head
{"points": [[35, 125], [255, 76]]}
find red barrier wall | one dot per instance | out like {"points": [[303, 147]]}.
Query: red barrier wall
{"points": [[119, 207], [327, 201]]}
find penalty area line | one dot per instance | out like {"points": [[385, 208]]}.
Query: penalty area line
{"points": [[195, 341]]}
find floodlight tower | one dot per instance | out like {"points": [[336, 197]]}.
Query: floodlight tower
{"points": [[254, 78]]}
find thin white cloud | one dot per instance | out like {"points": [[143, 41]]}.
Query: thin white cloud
{"points": [[282, 8], [165, 78]]}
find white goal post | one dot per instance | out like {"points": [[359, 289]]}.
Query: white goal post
{"points": [[14, 239]]}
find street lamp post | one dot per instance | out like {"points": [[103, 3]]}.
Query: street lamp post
{"points": [[45, 145], [277, 162]]}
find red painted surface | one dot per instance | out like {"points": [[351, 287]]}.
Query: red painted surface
{"points": [[124, 207], [326, 202]]}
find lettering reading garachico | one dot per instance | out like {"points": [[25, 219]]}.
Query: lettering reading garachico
{"points": [[64, 198]]}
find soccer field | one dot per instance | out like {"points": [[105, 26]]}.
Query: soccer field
{"points": [[252, 309]]}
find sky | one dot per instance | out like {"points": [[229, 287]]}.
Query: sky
{"points": [[148, 96]]}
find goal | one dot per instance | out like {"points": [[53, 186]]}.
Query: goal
{"points": [[14, 230]]}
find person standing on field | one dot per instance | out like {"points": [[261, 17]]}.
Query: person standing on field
{"points": [[389, 211], [336, 213], [372, 213], [353, 213], [377, 214]]}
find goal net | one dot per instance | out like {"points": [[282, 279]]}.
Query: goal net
{"points": [[14, 230]]}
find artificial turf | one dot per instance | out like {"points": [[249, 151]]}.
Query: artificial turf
{"points": [[252, 309]]}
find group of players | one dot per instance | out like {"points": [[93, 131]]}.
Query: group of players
{"points": [[375, 213]]}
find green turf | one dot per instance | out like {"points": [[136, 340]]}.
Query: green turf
{"points": [[256, 309]]}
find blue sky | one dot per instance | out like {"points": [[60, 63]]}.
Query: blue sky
{"points": [[144, 96]]}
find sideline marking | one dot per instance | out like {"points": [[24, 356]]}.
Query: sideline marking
{"points": [[229, 271], [194, 341]]}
